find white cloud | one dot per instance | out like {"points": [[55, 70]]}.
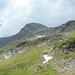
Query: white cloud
{"points": [[14, 17], [20, 3], [3, 5], [16, 13]]}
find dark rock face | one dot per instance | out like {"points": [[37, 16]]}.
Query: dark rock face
{"points": [[66, 48], [71, 46]]}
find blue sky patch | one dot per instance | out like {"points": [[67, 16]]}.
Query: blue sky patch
{"points": [[0, 25]]}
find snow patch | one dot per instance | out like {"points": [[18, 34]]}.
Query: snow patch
{"points": [[6, 57], [47, 58], [40, 36]]}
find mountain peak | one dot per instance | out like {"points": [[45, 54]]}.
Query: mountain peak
{"points": [[34, 27]]}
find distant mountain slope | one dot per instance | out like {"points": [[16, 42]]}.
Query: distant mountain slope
{"points": [[34, 29], [27, 32], [68, 26], [5, 40], [23, 34]]}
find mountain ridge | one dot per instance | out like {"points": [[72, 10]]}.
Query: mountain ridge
{"points": [[34, 29]]}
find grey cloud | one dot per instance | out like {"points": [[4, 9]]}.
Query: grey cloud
{"points": [[52, 12]]}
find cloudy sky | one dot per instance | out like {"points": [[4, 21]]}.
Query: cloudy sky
{"points": [[14, 14]]}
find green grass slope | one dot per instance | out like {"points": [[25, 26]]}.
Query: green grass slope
{"points": [[26, 60], [72, 34]]}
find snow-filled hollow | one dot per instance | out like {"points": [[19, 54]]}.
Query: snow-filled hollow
{"points": [[47, 58]]}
